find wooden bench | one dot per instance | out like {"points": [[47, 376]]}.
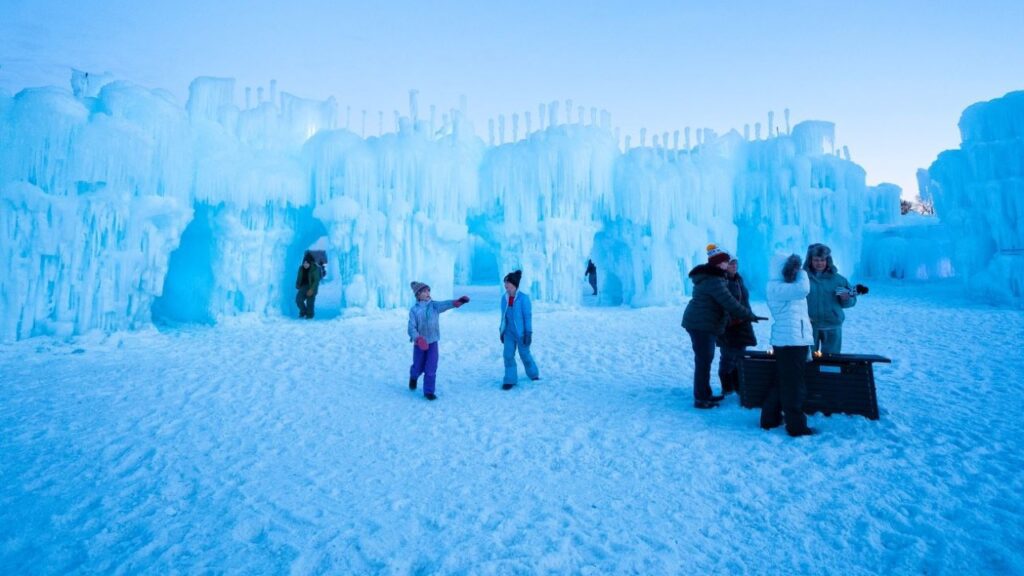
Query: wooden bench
{"points": [[843, 383]]}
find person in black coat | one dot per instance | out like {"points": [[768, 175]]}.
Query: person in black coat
{"points": [[591, 275], [705, 318], [738, 333]]}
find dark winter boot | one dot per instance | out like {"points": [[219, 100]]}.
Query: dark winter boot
{"points": [[734, 376], [507, 386], [704, 404], [430, 396], [716, 398], [412, 383]]}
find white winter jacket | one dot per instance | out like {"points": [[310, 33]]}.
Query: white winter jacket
{"points": [[787, 303]]}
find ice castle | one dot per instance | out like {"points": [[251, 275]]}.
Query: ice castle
{"points": [[120, 208]]}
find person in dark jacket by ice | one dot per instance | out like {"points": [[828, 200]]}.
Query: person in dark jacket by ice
{"points": [[738, 333], [830, 294], [307, 283], [591, 275], [705, 318]]}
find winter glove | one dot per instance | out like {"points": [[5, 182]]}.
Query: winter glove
{"points": [[309, 293], [421, 343], [791, 268], [462, 300], [502, 338], [527, 338], [861, 289]]}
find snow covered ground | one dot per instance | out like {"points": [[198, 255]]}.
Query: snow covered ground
{"points": [[295, 447]]}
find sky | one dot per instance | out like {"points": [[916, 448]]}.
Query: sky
{"points": [[893, 76]]}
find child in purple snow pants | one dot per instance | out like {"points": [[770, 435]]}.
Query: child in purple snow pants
{"points": [[424, 332]]}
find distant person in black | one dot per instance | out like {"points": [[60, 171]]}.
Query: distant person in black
{"points": [[738, 333], [307, 282], [591, 275]]}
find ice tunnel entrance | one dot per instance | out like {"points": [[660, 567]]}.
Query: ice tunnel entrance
{"points": [[188, 286], [311, 234]]}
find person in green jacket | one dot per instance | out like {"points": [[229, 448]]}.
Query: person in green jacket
{"points": [[307, 283], [711, 305], [830, 294]]}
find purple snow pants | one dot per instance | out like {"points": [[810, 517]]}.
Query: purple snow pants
{"points": [[425, 361]]}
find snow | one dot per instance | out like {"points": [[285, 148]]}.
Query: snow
{"points": [[273, 445]]}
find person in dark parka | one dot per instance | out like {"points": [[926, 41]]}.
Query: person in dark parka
{"points": [[705, 319], [307, 282], [738, 334]]}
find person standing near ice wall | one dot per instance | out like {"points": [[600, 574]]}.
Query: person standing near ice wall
{"points": [[705, 317], [516, 330], [738, 333], [307, 283], [591, 275], [830, 294], [425, 332], [791, 338]]}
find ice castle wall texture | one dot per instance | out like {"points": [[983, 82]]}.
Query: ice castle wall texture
{"points": [[978, 193], [119, 207]]}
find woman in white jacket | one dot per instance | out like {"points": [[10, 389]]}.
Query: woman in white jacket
{"points": [[791, 338]]}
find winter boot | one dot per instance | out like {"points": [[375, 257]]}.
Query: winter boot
{"points": [[704, 404], [716, 398], [430, 396], [507, 386], [412, 383]]}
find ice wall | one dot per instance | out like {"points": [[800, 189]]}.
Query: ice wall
{"points": [[793, 191], [542, 201], [119, 207], [978, 192], [94, 193]]}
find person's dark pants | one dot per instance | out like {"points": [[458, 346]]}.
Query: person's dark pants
{"points": [[730, 360], [729, 367], [305, 303], [788, 391], [703, 356], [593, 283], [425, 362]]}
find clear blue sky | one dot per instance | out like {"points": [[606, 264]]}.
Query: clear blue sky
{"points": [[894, 76]]}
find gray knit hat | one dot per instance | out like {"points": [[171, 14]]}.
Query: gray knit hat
{"points": [[417, 287]]}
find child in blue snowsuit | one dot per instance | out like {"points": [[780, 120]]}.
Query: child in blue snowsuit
{"points": [[516, 330], [424, 332]]}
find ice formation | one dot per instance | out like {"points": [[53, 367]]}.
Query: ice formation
{"points": [[978, 195], [978, 192], [119, 207]]}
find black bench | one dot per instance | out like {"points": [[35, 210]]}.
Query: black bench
{"points": [[843, 383]]}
